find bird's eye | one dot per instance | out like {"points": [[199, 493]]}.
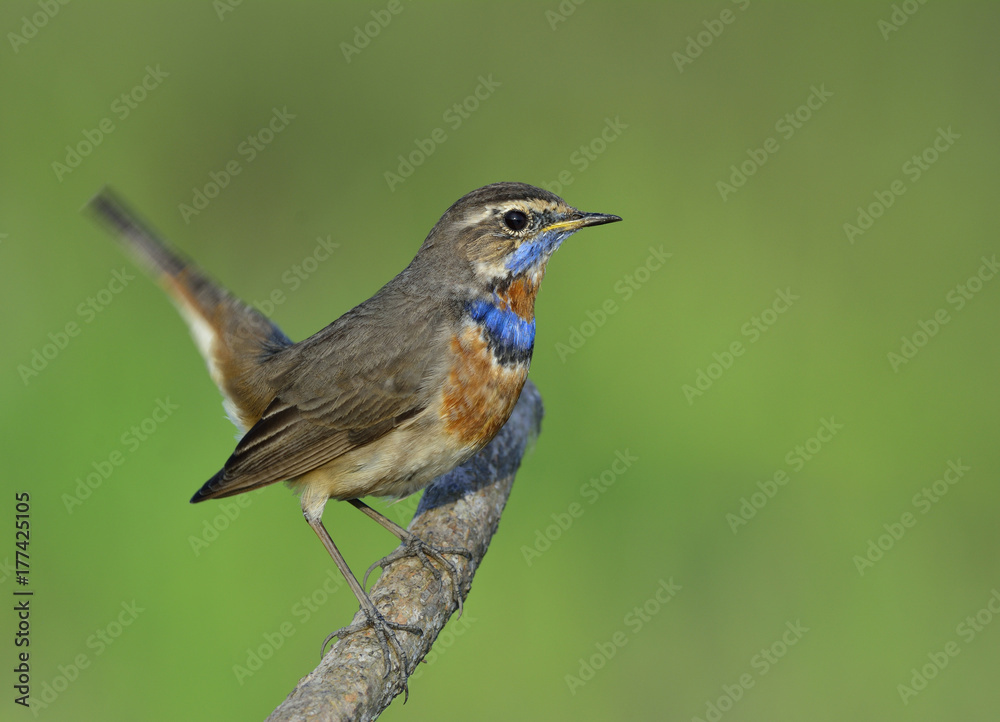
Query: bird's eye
{"points": [[515, 220]]}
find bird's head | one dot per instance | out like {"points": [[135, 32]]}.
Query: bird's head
{"points": [[508, 231]]}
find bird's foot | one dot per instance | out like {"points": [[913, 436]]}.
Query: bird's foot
{"points": [[414, 546], [385, 634]]}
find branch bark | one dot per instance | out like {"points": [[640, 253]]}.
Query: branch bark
{"points": [[460, 509]]}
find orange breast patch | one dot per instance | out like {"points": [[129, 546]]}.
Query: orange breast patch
{"points": [[520, 297], [479, 394]]}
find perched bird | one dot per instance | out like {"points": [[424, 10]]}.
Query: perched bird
{"points": [[400, 389]]}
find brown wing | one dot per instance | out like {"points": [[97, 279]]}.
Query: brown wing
{"points": [[339, 390]]}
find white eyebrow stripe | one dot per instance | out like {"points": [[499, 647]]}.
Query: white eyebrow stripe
{"points": [[471, 218]]}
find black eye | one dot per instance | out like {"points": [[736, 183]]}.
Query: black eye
{"points": [[515, 220]]}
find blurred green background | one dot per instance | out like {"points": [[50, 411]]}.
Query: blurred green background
{"points": [[747, 563]]}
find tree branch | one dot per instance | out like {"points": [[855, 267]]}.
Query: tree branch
{"points": [[460, 509]]}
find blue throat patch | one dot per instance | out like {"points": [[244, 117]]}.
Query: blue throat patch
{"points": [[535, 251], [510, 337]]}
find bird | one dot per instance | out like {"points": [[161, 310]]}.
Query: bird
{"points": [[399, 390]]}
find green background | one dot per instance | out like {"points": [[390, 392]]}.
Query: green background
{"points": [[561, 79]]}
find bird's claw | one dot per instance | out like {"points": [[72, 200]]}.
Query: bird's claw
{"points": [[384, 633], [414, 546]]}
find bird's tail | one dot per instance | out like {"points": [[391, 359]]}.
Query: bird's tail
{"points": [[233, 337]]}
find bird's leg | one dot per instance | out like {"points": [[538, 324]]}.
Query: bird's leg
{"points": [[374, 619], [414, 546]]}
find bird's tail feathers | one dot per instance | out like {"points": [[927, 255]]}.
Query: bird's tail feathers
{"points": [[231, 335]]}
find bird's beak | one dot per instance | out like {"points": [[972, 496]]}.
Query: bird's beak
{"points": [[580, 220]]}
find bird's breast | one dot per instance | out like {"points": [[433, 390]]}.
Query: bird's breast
{"points": [[490, 356], [506, 320]]}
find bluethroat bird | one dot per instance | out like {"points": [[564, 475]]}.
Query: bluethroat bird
{"points": [[400, 389]]}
